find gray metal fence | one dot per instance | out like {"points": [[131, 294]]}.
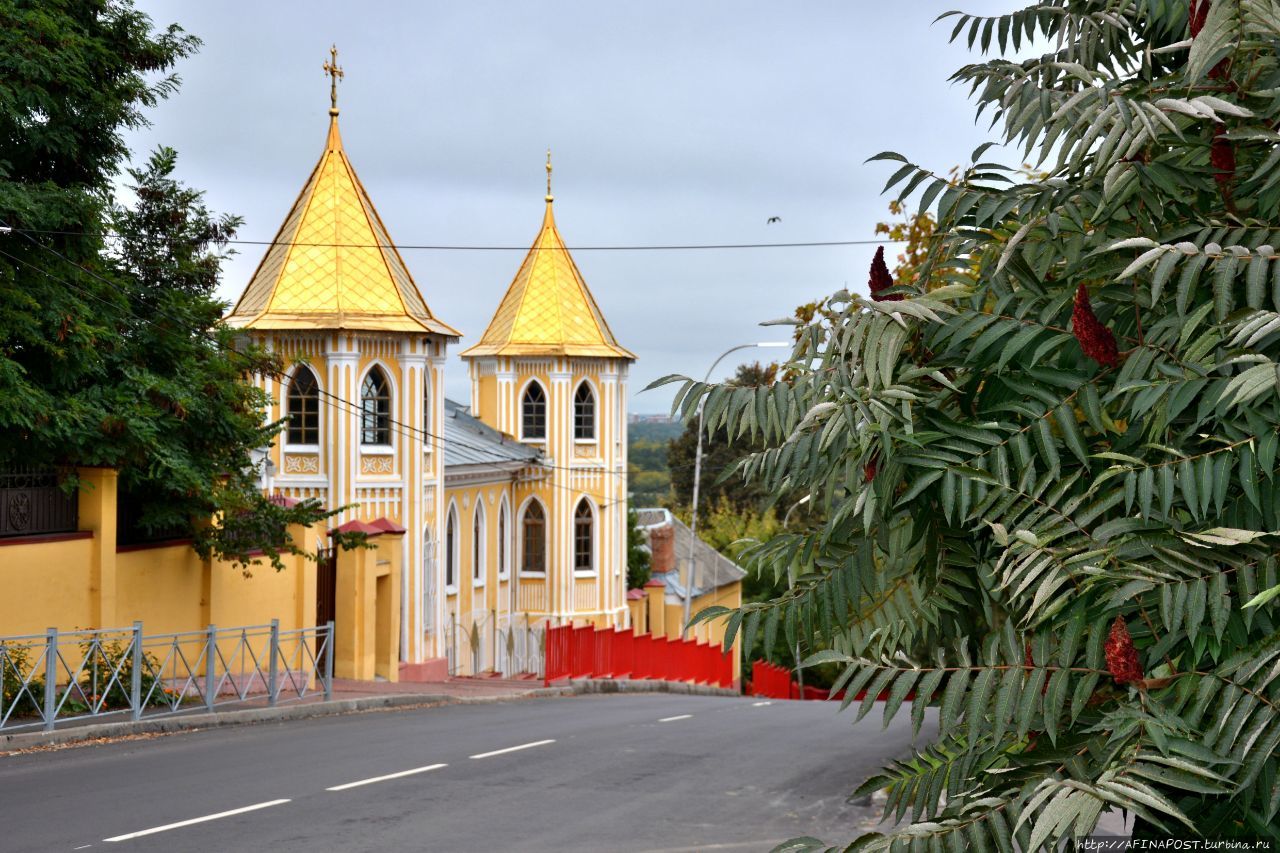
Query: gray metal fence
{"points": [[504, 644], [126, 673]]}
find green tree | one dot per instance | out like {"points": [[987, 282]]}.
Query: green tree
{"points": [[639, 560], [720, 453], [1049, 481], [111, 350]]}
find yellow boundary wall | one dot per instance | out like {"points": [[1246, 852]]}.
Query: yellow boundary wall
{"points": [[82, 580]]}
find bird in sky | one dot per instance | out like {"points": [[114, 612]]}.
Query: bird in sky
{"points": [[772, 219]]}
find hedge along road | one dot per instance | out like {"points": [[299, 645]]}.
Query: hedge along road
{"points": [[626, 772]]}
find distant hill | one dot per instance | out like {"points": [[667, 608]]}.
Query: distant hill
{"points": [[654, 430], [650, 479]]}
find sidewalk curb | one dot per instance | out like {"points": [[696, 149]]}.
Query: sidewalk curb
{"points": [[249, 716]]}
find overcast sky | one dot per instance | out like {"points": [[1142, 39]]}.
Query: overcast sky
{"points": [[670, 123]]}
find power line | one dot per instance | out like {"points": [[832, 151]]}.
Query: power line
{"points": [[669, 247], [400, 428]]}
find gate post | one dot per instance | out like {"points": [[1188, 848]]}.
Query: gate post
{"points": [[328, 662], [135, 675], [210, 667], [50, 676], [273, 669]]}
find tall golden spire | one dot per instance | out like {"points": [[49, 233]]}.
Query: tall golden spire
{"points": [[548, 309], [332, 264], [335, 74], [550, 197]]}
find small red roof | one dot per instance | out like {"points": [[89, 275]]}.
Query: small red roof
{"points": [[635, 594], [653, 582], [357, 526], [386, 525]]}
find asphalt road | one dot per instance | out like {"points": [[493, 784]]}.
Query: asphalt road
{"points": [[629, 772]]}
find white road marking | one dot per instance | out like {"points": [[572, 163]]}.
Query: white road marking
{"points": [[385, 778], [514, 748], [82, 847], [677, 717], [194, 820], [758, 704]]}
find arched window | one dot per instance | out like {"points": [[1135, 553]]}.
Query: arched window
{"points": [[502, 540], [584, 413], [533, 534], [583, 520], [533, 412], [477, 543], [451, 549], [375, 408], [304, 408]]}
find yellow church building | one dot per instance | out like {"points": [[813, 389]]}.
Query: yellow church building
{"points": [[514, 507], [487, 522]]}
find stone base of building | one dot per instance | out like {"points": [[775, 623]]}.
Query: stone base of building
{"points": [[432, 669]]}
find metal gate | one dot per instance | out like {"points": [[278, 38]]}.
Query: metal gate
{"points": [[326, 595]]}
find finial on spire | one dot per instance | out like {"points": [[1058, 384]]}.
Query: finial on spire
{"points": [[550, 197], [335, 74]]}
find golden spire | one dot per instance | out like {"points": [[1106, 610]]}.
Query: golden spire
{"points": [[548, 309], [550, 197], [332, 264], [335, 74]]}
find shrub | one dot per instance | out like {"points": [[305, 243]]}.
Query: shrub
{"points": [[1048, 485]]}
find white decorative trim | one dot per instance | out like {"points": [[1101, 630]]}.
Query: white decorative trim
{"points": [[299, 463]]}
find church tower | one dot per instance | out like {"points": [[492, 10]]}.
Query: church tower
{"points": [[364, 356], [549, 372]]}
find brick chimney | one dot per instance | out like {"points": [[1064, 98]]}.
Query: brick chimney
{"points": [[662, 544]]}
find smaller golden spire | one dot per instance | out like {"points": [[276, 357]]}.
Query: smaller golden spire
{"points": [[335, 74], [550, 197]]}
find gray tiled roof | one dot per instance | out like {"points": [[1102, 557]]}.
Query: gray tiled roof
{"points": [[712, 569], [468, 441]]}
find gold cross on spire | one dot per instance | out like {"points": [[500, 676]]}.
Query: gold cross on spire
{"points": [[549, 196], [335, 74]]}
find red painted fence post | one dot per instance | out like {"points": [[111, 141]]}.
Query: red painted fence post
{"points": [[558, 648]]}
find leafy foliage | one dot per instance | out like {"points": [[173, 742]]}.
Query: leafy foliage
{"points": [[639, 561], [720, 452], [111, 350], [993, 498]]}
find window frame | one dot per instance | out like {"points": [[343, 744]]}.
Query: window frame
{"points": [[522, 538], [479, 543], [524, 405], [504, 550], [451, 550], [382, 423], [592, 555], [289, 413], [594, 401]]}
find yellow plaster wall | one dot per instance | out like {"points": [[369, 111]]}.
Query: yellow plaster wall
{"points": [[164, 587], [729, 595], [265, 595], [470, 596], [45, 585], [88, 583]]}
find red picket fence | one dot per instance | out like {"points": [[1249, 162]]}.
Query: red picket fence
{"points": [[774, 682], [607, 653]]}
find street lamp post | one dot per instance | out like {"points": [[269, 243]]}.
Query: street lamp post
{"points": [[697, 479]]}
